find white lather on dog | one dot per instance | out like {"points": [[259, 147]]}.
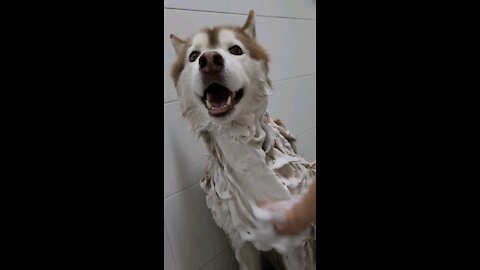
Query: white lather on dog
{"points": [[221, 77]]}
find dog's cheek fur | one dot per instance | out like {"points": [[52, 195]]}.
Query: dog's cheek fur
{"points": [[197, 86], [254, 100], [235, 73], [190, 105], [257, 72]]}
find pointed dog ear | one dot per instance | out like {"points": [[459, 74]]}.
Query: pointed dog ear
{"points": [[177, 43], [249, 26]]}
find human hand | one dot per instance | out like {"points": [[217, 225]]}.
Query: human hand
{"points": [[294, 223], [289, 217], [294, 215]]}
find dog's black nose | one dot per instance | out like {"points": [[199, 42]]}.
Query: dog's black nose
{"points": [[211, 63]]}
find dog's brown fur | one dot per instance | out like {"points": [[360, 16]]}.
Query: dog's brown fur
{"points": [[256, 51]]}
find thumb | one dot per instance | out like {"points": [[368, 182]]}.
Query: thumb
{"points": [[279, 227]]}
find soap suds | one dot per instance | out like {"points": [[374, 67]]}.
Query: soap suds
{"points": [[254, 162]]}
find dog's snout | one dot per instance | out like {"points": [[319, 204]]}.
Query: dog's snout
{"points": [[211, 63]]}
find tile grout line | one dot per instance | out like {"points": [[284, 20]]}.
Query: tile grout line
{"points": [[228, 6], [176, 192], [303, 132], [170, 245], [296, 77], [214, 257], [171, 101], [235, 13], [168, 236]]}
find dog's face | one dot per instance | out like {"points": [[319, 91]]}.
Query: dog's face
{"points": [[220, 73]]}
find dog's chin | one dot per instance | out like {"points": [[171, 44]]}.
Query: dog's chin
{"points": [[220, 101]]}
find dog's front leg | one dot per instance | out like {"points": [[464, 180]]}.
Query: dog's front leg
{"points": [[248, 257]]}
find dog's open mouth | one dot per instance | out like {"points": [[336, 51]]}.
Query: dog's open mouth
{"points": [[219, 100]]}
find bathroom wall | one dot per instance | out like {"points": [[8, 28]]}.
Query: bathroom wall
{"points": [[287, 30]]}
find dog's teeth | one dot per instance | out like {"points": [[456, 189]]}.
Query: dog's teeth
{"points": [[229, 100], [209, 105]]}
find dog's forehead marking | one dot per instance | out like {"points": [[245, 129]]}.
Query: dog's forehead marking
{"points": [[200, 40], [227, 37]]}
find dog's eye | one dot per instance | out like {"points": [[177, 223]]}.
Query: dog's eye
{"points": [[193, 56], [235, 50]]}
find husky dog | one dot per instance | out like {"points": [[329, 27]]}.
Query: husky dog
{"points": [[221, 78]]}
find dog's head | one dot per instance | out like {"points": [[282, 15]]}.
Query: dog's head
{"points": [[220, 74]]}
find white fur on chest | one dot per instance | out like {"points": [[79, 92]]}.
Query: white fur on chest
{"points": [[249, 167]]}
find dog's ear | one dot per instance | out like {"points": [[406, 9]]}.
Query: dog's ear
{"points": [[249, 26], [177, 43]]}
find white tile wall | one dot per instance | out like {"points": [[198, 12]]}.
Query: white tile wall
{"points": [[293, 101], [184, 157], [194, 236], [305, 141], [315, 98], [168, 263], [291, 44], [304, 9], [226, 260], [287, 30], [209, 5]]}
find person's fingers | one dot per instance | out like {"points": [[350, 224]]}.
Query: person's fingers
{"points": [[280, 228], [293, 224], [286, 229], [289, 227]]}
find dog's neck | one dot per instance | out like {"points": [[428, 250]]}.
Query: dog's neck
{"points": [[246, 150], [248, 130]]}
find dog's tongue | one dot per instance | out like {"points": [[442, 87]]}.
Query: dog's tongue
{"points": [[218, 98]]}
